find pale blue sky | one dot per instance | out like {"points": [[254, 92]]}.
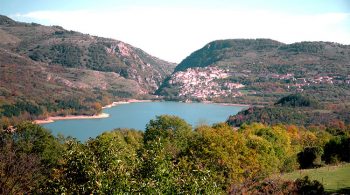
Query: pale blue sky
{"points": [[173, 29], [300, 6]]}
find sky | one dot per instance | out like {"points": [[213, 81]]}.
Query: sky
{"points": [[172, 30]]}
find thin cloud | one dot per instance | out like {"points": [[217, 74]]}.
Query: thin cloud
{"points": [[173, 33]]}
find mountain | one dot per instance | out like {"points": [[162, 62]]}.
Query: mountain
{"points": [[261, 71], [235, 51], [53, 69], [55, 45]]}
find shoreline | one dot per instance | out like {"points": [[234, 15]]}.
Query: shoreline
{"points": [[231, 104], [124, 102], [52, 119], [225, 104]]}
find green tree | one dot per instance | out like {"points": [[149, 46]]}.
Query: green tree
{"points": [[107, 164], [272, 147], [223, 152], [168, 128], [296, 100], [28, 156], [166, 138]]}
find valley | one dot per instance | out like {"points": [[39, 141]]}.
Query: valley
{"points": [[85, 72], [84, 114]]}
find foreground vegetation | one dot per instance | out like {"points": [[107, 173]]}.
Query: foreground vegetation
{"points": [[169, 157]]}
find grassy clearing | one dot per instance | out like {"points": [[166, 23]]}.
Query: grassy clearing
{"points": [[333, 178]]}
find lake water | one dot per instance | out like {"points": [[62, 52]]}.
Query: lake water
{"points": [[137, 115]]}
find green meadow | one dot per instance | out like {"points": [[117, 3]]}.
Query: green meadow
{"points": [[333, 178]]}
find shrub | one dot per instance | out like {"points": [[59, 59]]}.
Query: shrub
{"points": [[306, 186]]}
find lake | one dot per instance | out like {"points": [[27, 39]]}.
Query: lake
{"points": [[137, 115]]}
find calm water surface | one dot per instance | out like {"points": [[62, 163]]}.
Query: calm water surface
{"points": [[137, 115]]}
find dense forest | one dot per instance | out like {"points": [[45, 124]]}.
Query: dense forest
{"points": [[170, 157]]}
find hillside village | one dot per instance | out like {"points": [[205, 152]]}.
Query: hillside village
{"points": [[295, 82], [211, 82], [203, 83]]}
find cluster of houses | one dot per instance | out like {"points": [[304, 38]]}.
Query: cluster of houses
{"points": [[210, 82], [314, 80], [300, 82], [203, 83]]}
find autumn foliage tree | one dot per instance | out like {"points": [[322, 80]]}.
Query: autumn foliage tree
{"points": [[169, 157]]}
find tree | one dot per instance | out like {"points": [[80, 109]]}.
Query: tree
{"points": [[107, 164], [296, 100], [28, 155], [20, 173], [223, 152], [337, 149], [97, 107], [166, 138], [310, 157], [272, 146], [171, 129]]}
